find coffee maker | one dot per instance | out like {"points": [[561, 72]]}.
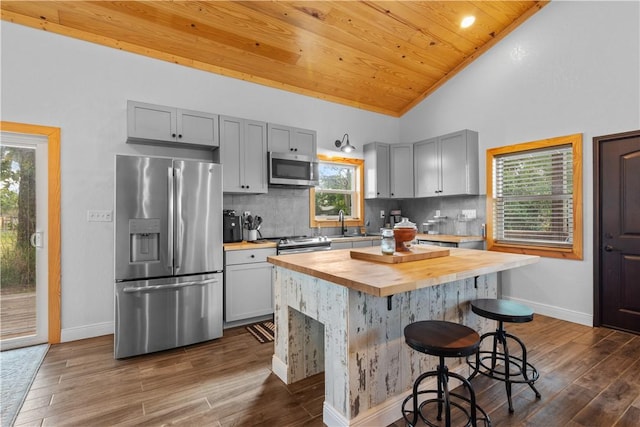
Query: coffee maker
{"points": [[231, 227], [396, 216]]}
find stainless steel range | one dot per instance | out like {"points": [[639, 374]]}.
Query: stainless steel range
{"points": [[302, 244]]}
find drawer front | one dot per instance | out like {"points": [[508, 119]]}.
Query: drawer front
{"points": [[248, 256]]}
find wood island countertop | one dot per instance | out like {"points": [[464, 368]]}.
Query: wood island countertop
{"points": [[381, 279]]}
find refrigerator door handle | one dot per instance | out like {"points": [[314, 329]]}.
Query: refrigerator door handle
{"points": [[179, 220], [170, 219], [168, 287]]}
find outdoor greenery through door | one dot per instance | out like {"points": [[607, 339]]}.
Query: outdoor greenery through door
{"points": [[17, 254]]}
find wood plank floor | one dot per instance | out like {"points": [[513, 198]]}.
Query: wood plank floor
{"points": [[17, 314], [589, 377]]}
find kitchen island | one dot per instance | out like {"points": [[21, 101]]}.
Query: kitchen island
{"points": [[346, 317]]}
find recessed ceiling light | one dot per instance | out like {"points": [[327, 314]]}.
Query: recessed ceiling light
{"points": [[467, 21]]}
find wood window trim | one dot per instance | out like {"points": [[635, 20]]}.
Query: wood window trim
{"points": [[53, 194], [576, 251], [357, 222]]}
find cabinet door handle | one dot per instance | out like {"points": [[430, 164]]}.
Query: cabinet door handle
{"points": [[173, 135], [609, 248], [253, 256], [180, 136]]}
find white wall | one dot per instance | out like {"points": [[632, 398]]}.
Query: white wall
{"points": [[82, 88], [574, 67]]}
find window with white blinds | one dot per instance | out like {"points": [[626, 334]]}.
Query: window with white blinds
{"points": [[533, 197]]}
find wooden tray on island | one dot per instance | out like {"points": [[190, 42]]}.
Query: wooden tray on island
{"points": [[416, 253]]}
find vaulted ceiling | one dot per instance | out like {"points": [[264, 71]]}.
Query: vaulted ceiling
{"points": [[382, 56]]}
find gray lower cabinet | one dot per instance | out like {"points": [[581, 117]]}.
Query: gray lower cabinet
{"points": [[341, 245], [466, 245], [355, 244], [447, 165], [243, 154], [149, 123], [248, 289]]}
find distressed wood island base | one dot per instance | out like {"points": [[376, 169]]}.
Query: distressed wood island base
{"points": [[346, 317]]}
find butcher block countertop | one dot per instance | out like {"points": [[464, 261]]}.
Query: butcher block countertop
{"points": [[448, 238], [381, 279], [238, 246]]}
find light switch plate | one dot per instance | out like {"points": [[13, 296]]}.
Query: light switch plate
{"points": [[99, 216]]}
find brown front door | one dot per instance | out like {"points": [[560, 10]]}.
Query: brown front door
{"points": [[617, 231]]}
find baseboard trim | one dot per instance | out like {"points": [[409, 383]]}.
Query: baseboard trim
{"points": [[88, 331], [556, 312], [279, 368]]}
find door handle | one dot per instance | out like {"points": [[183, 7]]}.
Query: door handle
{"points": [[170, 212], [168, 287], [179, 221], [36, 239], [609, 248]]}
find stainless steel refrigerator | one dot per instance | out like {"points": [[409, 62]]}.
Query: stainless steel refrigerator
{"points": [[168, 253]]}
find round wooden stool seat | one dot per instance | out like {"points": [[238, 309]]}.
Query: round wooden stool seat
{"points": [[440, 338], [502, 310], [498, 363]]}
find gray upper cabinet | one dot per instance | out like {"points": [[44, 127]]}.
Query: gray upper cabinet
{"points": [[243, 154], [401, 168], [376, 170], [148, 123], [447, 165], [287, 139]]}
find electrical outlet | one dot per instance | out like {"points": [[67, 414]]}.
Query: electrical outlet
{"points": [[99, 216], [469, 213], [246, 213], [382, 214]]}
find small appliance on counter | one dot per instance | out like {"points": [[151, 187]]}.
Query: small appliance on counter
{"points": [[396, 216], [231, 227]]}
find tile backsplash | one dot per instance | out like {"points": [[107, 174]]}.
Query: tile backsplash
{"points": [[450, 208], [285, 212]]}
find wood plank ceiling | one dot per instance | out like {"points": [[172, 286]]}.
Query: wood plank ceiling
{"points": [[382, 56]]}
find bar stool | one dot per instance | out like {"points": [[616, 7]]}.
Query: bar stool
{"points": [[515, 370], [442, 339]]}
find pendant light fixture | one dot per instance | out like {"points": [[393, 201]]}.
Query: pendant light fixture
{"points": [[345, 147]]}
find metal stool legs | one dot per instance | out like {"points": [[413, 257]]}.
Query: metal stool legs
{"points": [[443, 399], [528, 373]]}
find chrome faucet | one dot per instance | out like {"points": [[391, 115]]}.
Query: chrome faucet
{"points": [[341, 219]]}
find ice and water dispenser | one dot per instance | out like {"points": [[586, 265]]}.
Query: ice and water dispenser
{"points": [[144, 240]]}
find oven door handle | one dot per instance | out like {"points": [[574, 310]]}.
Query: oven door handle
{"points": [[168, 287], [303, 250]]}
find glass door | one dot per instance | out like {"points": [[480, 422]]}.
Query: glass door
{"points": [[23, 240]]}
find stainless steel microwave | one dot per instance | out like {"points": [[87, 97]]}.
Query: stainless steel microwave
{"points": [[295, 170]]}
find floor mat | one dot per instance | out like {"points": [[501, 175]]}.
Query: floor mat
{"points": [[18, 369], [262, 331]]}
